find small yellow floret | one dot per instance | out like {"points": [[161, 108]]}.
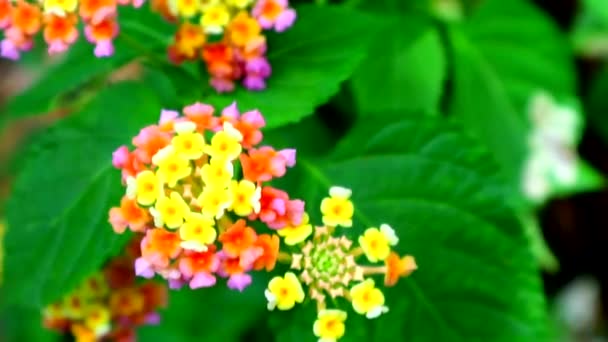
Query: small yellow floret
{"points": [[338, 209], [60, 7], [189, 145], [284, 292], [173, 166], [97, 319], [225, 144], [146, 188], [295, 235], [214, 201], [246, 197], [170, 211], [367, 299], [188, 8], [197, 232], [217, 173], [329, 325], [215, 18]]}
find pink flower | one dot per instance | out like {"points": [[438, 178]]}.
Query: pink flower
{"points": [[274, 13], [277, 210]]}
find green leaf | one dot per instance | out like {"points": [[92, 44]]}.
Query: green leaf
{"points": [[57, 216], [79, 68], [506, 52], [217, 313], [450, 207], [307, 67], [405, 70]]}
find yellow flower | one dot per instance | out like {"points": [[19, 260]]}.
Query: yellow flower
{"points": [[188, 8], [239, 3], [217, 173], [197, 232], [94, 287], [171, 166], [367, 299], [376, 242], [225, 144], [246, 197], [170, 211], [338, 209], [284, 292], [60, 7], [188, 143], [295, 235], [215, 18], [146, 187], [97, 319], [214, 201], [73, 306], [329, 325]]}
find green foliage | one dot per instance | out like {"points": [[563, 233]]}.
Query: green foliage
{"points": [[450, 210], [58, 211], [405, 69], [498, 64], [307, 69]]}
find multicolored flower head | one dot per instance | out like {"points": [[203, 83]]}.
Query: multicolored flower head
{"points": [[228, 38], [108, 305], [193, 192], [58, 19], [328, 266]]}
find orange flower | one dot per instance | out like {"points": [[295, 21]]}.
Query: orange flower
{"points": [[270, 245], [202, 116], [159, 246], [155, 296], [398, 267], [195, 262], [237, 239], [149, 141], [5, 13], [189, 39], [26, 17], [263, 164], [126, 302], [95, 11], [60, 31], [243, 29], [129, 214], [219, 58]]}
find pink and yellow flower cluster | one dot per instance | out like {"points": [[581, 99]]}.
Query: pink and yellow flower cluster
{"points": [[21, 21], [108, 305], [197, 190], [228, 36], [195, 185]]}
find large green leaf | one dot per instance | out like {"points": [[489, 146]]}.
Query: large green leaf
{"points": [[57, 214], [64, 81], [405, 69], [309, 61], [506, 52], [451, 209], [214, 314]]}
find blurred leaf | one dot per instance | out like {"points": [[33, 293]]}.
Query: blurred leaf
{"points": [[21, 325], [539, 247], [57, 214], [590, 29], [451, 209], [506, 52], [213, 314], [79, 68], [405, 70], [307, 67]]}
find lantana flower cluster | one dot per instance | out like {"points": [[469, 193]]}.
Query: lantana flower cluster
{"points": [[228, 36], [328, 267], [58, 20], [108, 305], [195, 184], [197, 190]]}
